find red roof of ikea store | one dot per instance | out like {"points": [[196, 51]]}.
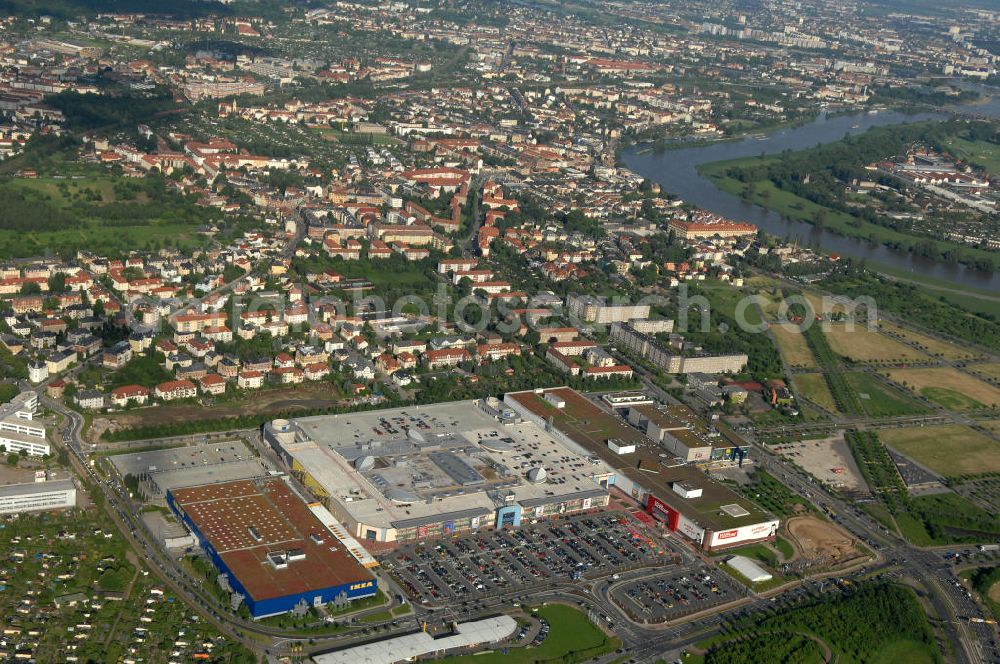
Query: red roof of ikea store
{"points": [[225, 512]]}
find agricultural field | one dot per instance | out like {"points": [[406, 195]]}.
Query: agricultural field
{"points": [[948, 387], [813, 387], [938, 347], [793, 347], [878, 400], [862, 345], [949, 450]]}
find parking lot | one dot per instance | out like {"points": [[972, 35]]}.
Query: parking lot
{"points": [[499, 561], [674, 594]]}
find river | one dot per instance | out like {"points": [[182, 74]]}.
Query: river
{"points": [[677, 172]]}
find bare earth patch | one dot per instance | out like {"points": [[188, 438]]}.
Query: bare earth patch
{"points": [[829, 460], [817, 539]]}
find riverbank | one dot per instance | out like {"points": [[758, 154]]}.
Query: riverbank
{"points": [[678, 173], [759, 133], [766, 194]]}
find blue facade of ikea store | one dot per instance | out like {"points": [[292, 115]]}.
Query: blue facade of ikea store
{"points": [[263, 608]]}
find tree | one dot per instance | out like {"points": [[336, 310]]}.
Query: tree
{"points": [[57, 283]]}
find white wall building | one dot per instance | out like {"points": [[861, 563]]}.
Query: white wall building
{"points": [[18, 430], [35, 496]]}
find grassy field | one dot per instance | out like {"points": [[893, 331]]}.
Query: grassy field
{"points": [[820, 305], [945, 349], [571, 638], [793, 347], [943, 518], [991, 425], [813, 386], [99, 239], [768, 289], [949, 450], [989, 370], [913, 530], [352, 138], [877, 400], [93, 210], [948, 387], [903, 650], [980, 153], [725, 298], [391, 274], [759, 552], [863, 345], [784, 547]]}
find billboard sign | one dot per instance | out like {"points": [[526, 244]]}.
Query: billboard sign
{"points": [[663, 512], [754, 531]]}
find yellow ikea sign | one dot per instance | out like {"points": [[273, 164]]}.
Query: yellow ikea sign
{"points": [[364, 584]]}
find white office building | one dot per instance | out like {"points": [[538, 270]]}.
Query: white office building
{"points": [[18, 430], [36, 496]]}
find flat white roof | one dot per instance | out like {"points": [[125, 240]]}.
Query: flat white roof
{"points": [[408, 646], [431, 462], [749, 569], [31, 488]]}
